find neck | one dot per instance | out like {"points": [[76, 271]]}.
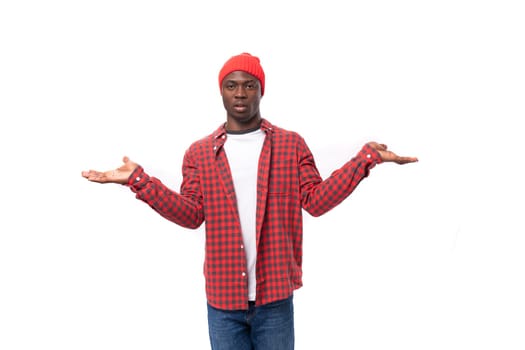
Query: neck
{"points": [[234, 126], [244, 131]]}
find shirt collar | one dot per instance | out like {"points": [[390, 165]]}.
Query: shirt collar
{"points": [[266, 126]]}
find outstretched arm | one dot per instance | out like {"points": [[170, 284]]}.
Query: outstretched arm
{"points": [[389, 156], [119, 175], [185, 210], [320, 196]]}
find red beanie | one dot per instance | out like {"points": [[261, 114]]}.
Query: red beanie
{"points": [[246, 63]]}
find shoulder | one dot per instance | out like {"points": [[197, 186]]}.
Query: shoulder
{"points": [[207, 141], [282, 133]]}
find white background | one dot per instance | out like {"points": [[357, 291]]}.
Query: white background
{"points": [[421, 256]]}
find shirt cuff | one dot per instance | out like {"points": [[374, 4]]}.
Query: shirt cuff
{"points": [[371, 155], [138, 179]]}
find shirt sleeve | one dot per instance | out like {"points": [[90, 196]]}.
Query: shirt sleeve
{"points": [[319, 196], [184, 209]]}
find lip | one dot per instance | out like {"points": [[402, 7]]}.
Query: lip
{"points": [[240, 107]]}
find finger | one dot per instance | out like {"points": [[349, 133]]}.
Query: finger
{"points": [[97, 176], [88, 174], [405, 160]]}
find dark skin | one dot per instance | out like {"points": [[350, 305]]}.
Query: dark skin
{"points": [[241, 97]]}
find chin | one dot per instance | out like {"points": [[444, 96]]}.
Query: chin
{"points": [[243, 118]]}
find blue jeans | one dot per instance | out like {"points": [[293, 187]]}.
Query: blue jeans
{"points": [[265, 327]]}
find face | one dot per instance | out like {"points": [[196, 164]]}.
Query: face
{"points": [[241, 95]]}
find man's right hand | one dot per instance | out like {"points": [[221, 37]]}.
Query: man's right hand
{"points": [[119, 175]]}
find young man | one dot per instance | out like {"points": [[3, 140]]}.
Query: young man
{"points": [[249, 181]]}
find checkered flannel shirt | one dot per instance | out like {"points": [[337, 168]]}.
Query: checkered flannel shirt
{"points": [[288, 181]]}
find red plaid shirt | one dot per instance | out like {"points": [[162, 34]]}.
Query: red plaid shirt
{"points": [[288, 181]]}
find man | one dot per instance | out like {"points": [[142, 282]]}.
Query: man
{"points": [[249, 181]]}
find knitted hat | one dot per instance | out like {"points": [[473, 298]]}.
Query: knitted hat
{"points": [[246, 63]]}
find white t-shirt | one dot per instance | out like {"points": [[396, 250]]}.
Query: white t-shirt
{"points": [[243, 151]]}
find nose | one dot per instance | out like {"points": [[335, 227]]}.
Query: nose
{"points": [[240, 91]]}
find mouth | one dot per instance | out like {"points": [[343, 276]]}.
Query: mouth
{"points": [[240, 108]]}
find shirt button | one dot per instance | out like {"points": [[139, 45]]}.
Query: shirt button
{"points": [[242, 246], [368, 156], [137, 178], [244, 274], [214, 148], [223, 136]]}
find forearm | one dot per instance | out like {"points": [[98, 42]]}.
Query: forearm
{"points": [[182, 210], [321, 196]]}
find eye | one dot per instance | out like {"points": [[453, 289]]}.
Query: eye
{"points": [[251, 85], [230, 86]]}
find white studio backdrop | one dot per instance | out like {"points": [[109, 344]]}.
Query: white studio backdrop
{"points": [[421, 256]]}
